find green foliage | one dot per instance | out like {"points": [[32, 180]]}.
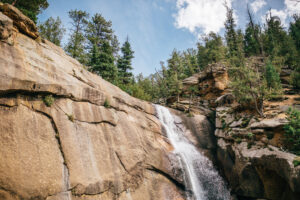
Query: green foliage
{"points": [[251, 86], [253, 37], [76, 44], [250, 135], [102, 45], [30, 8], [292, 131], [124, 63], [106, 103], [48, 100], [272, 78], [294, 31], [52, 30], [230, 34], [295, 78], [296, 161]]}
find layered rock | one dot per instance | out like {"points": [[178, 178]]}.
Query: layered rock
{"points": [[249, 150], [60, 141]]}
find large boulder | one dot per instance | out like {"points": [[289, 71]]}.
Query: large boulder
{"points": [[259, 172]]}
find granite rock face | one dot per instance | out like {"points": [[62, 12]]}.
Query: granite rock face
{"points": [[58, 140]]}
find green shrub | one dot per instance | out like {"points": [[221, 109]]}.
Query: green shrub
{"points": [[296, 161], [238, 140], [292, 131], [250, 135], [48, 100], [295, 78], [106, 104]]}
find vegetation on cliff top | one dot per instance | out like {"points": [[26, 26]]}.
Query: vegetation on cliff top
{"points": [[94, 44]]}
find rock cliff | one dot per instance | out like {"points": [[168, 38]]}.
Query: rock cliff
{"points": [[249, 149], [65, 133]]}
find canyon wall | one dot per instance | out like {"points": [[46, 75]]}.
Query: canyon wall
{"points": [[66, 133]]}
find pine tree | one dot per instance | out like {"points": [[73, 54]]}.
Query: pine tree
{"points": [[76, 44], [230, 34], [99, 31], [30, 8], [124, 63], [104, 65], [294, 31], [101, 51], [52, 30], [190, 65], [215, 50], [252, 40], [201, 56], [272, 78]]}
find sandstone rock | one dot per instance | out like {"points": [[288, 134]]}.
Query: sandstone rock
{"points": [[212, 82], [22, 22], [269, 123], [6, 27]]}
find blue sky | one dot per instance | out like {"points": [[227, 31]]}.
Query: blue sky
{"points": [[156, 27]]}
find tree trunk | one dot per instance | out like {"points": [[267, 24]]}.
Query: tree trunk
{"points": [[259, 108]]}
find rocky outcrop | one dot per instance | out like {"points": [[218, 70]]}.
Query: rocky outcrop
{"points": [[60, 141], [212, 82], [249, 149], [20, 21], [250, 154]]}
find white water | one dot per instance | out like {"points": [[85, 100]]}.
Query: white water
{"points": [[200, 176]]}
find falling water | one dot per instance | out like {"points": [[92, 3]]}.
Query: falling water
{"points": [[201, 177]]}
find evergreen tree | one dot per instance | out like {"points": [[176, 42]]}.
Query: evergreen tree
{"points": [[252, 41], [76, 44], [104, 65], [30, 8], [190, 64], [124, 63], [101, 51], [116, 46], [230, 34], [201, 56], [294, 31], [99, 31], [251, 86], [215, 50], [52, 30], [272, 78], [174, 64]]}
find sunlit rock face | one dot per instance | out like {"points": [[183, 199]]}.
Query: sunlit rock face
{"points": [[74, 148]]}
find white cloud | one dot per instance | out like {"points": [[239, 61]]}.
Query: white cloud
{"points": [[257, 5], [204, 15], [292, 7]]}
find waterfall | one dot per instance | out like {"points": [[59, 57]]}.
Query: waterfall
{"points": [[201, 178]]}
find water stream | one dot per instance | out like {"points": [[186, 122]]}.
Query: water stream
{"points": [[200, 175]]}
